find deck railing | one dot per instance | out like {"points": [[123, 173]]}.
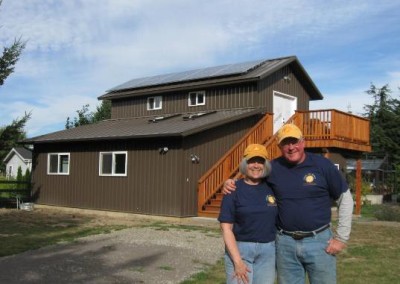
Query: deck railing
{"points": [[228, 164], [332, 125]]}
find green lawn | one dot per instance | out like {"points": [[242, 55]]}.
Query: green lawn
{"points": [[373, 254]]}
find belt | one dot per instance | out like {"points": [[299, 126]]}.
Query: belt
{"points": [[299, 235]]}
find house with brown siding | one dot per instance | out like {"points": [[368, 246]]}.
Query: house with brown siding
{"points": [[172, 139]]}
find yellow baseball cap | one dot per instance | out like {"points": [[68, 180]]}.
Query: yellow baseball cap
{"points": [[255, 150], [288, 130]]}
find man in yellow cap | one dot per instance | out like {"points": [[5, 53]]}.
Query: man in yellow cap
{"points": [[304, 185]]}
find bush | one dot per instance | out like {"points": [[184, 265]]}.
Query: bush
{"points": [[388, 213], [382, 212]]}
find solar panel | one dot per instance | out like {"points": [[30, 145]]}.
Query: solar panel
{"points": [[209, 72]]}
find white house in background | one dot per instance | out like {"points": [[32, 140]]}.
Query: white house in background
{"points": [[18, 157]]}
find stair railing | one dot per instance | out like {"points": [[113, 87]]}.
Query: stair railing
{"points": [[316, 125], [213, 179]]}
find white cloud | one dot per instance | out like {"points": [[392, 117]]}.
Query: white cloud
{"points": [[78, 49]]}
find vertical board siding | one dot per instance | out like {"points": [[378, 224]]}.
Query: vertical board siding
{"points": [[240, 96], [150, 186], [275, 82], [156, 184], [227, 97], [210, 146]]}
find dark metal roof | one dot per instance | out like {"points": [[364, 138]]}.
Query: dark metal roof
{"points": [[366, 165], [144, 127], [24, 153], [210, 72], [212, 76]]}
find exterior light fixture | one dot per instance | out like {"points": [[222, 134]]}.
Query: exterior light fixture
{"points": [[195, 159], [163, 150]]}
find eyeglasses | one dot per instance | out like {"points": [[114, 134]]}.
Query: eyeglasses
{"points": [[290, 142]]}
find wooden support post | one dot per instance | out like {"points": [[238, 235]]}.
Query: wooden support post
{"points": [[358, 187]]}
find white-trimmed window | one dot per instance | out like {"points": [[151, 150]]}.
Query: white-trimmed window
{"points": [[197, 98], [154, 103], [58, 164], [113, 163]]}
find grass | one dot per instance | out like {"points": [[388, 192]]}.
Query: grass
{"points": [[166, 267], [373, 254], [212, 275]]}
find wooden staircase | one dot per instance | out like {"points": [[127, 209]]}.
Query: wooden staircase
{"points": [[321, 128]]}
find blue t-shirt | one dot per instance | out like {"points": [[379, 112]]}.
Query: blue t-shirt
{"points": [[252, 210], [304, 192]]}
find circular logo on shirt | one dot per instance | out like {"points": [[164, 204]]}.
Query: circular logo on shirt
{"points": [[270, 200], [309, 178]]}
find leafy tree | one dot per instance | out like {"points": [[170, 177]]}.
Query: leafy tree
{"points": [[103, 111], [83, 118], [10, 57], [10, 135]]}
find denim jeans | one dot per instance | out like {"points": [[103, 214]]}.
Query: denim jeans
{"points": [[259, 258], [295, 258]]}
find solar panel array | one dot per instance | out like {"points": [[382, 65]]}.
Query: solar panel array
{"points": [[223, 70]]}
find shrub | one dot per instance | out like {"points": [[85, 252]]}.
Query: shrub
{"points": [[388, 213]]}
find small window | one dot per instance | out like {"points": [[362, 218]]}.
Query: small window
{"points": [[113, 163], [58, 164], [154, 103], [197, 98]]}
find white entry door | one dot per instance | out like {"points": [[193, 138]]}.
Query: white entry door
{"points": [[284, 107]]}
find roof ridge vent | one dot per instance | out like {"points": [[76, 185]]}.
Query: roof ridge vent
{"points": [[162, 117], [197, 115]]}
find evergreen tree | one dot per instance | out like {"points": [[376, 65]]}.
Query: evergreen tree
{"points": [[27, 176], [384, 115], [10, 57], [10, 135]]}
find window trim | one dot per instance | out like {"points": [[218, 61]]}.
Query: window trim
{"points": [[203, 93], [155, 99], [58, 163], [113, 174]]}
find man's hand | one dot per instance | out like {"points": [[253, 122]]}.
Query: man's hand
{"points": [[335, 246], [229, 186]]}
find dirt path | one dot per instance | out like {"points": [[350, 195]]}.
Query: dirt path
{"points": [[135, 255]]}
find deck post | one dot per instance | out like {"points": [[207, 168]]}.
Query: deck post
{"points": [[358, 187]]}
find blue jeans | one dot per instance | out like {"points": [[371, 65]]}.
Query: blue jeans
{"points": [[259, 258], [295, 258]]}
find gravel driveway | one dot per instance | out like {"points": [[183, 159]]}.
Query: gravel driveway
{"points": [[135, 255]]}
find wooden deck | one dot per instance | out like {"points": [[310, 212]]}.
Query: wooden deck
{"points": [[321, 128]]}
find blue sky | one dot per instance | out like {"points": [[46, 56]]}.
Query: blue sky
{"points": [[77, 50]]}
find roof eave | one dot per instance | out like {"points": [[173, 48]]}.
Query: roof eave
{"points": [[188, 132], [175, 87]]}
